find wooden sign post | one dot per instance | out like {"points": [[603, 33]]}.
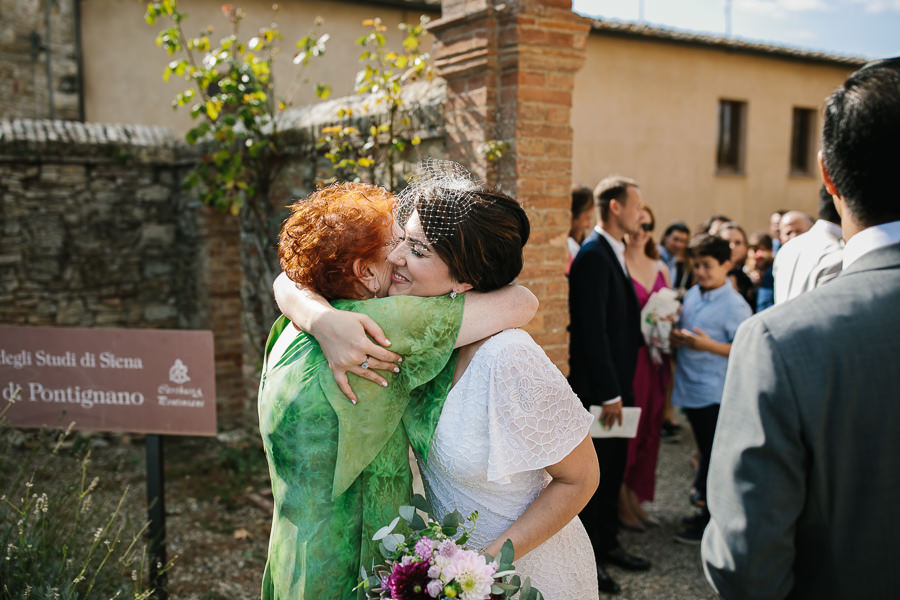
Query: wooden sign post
{"points": [[149, 381]]}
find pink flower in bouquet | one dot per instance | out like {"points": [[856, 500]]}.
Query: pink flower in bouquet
{"points": [[434, 588], [473, 574], [408, 582], [447, 549], [424, 547]]}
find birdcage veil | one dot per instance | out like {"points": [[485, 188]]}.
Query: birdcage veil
{"points": [[442, 192]]}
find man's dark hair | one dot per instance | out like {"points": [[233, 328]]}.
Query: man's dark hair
{"points": [[714, 219], [582, 198], [611, 188], [676, 226], [760, 239], [827, 211], [712, 246], [861, 141]]}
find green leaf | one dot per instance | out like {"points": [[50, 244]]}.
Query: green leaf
{"points": [[507, 553], [392, 541], [418, 523], [387, 529], [323, 91], [452, 519], [407, 512], [419, 501]]}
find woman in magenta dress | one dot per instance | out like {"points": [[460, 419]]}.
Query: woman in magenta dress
{"points": [[649, 274]]}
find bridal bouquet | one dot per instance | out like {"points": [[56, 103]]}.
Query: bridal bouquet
{"points": [[657, 319], [430, 561]]}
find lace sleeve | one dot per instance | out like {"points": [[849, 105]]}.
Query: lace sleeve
{"points": [[535, 419]]}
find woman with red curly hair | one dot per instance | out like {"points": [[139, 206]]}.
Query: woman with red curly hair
{"points": [[340, 471]]}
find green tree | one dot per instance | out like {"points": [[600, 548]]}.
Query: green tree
{"points": [[386, 73], [232, 100]]}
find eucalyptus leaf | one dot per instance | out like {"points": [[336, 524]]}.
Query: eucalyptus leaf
{"points": [[507, 553], [418, 523], [384, 531], [452, 519], [407, 512], [393, 540]]}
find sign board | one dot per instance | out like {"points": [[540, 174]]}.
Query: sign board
{"points": [[138, 380]]}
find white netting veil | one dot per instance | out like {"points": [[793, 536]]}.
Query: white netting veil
{"points": [[442, 192]]}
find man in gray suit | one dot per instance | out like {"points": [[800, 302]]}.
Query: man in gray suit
{"points": [[804, 482]]}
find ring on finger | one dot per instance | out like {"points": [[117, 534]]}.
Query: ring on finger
{"points": [[365, 363]]}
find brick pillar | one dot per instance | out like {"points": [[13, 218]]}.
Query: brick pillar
{"points": [[510, 69], [220, 285]]}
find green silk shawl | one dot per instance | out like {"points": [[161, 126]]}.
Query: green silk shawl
{"points": [[339, 471]]}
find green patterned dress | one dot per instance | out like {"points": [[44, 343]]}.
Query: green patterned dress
{"points": [[339, 471]]}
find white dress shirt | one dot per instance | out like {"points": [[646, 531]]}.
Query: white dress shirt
{"points": [[808, 261], [871, 238], [618, 246]]}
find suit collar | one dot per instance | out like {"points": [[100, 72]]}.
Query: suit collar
{"points": [[886, 257], [870, 239]]}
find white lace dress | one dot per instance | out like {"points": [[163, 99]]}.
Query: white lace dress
{"points": [[509, 416]]}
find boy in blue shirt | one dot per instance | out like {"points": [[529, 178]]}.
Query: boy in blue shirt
{"points": [[711, 312]]}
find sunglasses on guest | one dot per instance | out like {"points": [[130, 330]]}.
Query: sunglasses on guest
{"points": [[647, 226]]}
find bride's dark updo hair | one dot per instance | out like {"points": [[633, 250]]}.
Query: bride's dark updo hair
{"points": [[486, 251], [478, 232]]}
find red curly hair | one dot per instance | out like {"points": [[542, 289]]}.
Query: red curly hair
{"points": [[329, 230]]}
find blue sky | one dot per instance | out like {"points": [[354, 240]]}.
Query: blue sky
{"points": [[864, 28]]}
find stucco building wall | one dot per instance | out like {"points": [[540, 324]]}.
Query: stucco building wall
{"points": [[648, 109], [123, 68]]}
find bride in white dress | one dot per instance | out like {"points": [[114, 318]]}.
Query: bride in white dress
{"points": [[512, 440], [508, 424]]}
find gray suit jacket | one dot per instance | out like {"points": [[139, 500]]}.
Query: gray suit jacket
{"points": [[804, 482]]}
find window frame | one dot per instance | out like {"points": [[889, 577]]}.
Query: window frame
{"points": [[735, 163], [799, 138]]}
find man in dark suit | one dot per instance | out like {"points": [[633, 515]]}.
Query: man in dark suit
{"points": [[804, 483], [605, 335]]}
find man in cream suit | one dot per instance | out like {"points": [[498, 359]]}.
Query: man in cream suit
{"points": [[804, 482], [812, 258]]}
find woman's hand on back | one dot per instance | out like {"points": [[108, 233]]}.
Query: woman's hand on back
{"points": [[341, 334], [344, 338]]}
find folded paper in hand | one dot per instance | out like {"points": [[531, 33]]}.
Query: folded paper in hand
{"points": [[628, 429]]}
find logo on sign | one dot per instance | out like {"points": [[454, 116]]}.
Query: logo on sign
{"points": [[178, 372], [178, 394]]}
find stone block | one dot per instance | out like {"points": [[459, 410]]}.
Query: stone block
{"points": [[156, 234], [155, 313], [71, 313], [157, 268]]}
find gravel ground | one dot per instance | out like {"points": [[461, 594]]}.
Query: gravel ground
{"points": [[218, 516], [676, 573]]}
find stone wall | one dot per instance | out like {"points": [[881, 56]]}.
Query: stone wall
{"points": [[28, 41], [97, 232]]}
